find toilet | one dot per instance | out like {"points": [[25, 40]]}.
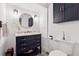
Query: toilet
{"points": [[61, 48], [57, 53]]}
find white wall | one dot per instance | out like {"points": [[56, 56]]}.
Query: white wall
{"points": [[2, 12], [71, 29], [36, 8], [3, 19]]}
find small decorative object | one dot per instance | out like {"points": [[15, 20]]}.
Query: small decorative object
{"points": [[9, 52]]}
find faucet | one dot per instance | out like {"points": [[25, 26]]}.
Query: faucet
{"points": [[63, 36]]}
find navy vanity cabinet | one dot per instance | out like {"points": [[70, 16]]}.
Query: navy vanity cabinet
{"points": [[26, 43], [63, 12]]}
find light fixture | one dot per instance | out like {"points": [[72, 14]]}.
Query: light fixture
{"points": [[35, 16], [15, 11]]}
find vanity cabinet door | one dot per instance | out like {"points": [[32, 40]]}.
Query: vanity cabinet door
{"points": [[70, 11], [58, 15], [78, 10]]}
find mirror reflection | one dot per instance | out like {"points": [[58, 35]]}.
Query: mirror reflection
{"points": [[26, 20]]}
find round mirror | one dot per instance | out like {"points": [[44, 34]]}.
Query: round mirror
{"points": [[26, 20]]}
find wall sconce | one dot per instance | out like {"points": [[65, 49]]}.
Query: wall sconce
{"points": [[15, 11], [35, 16]]}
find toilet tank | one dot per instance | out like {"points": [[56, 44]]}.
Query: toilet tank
{"points": [[63, 46], [75, 49]]}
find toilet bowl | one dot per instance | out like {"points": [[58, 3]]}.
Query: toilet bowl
{"points": [[57, 53]]}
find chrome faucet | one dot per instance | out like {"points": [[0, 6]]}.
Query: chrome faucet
{"points": [[63, 36]]}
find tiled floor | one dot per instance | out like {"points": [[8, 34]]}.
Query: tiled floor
{"points": [[42, 54]]}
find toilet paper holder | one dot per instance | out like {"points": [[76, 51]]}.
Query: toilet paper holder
{"points": [[51, 37]]}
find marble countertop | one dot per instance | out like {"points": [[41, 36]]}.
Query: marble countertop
{"points": [[23, 34]]}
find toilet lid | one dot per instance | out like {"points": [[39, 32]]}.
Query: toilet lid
{"points": [[57, 53]]}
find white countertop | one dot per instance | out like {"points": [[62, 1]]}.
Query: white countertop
{"points": [[23, 34]]}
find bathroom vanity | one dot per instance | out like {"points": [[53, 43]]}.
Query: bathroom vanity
{"points": [[28, 41], [28, 44]]}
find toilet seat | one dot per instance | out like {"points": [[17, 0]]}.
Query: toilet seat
{"points": [[57, 53]]}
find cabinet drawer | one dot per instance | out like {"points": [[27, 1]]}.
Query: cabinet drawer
{"points": [[23, 45], [27, 39], [23, 41], [32, 44], [35, 45], [34, 37]]}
